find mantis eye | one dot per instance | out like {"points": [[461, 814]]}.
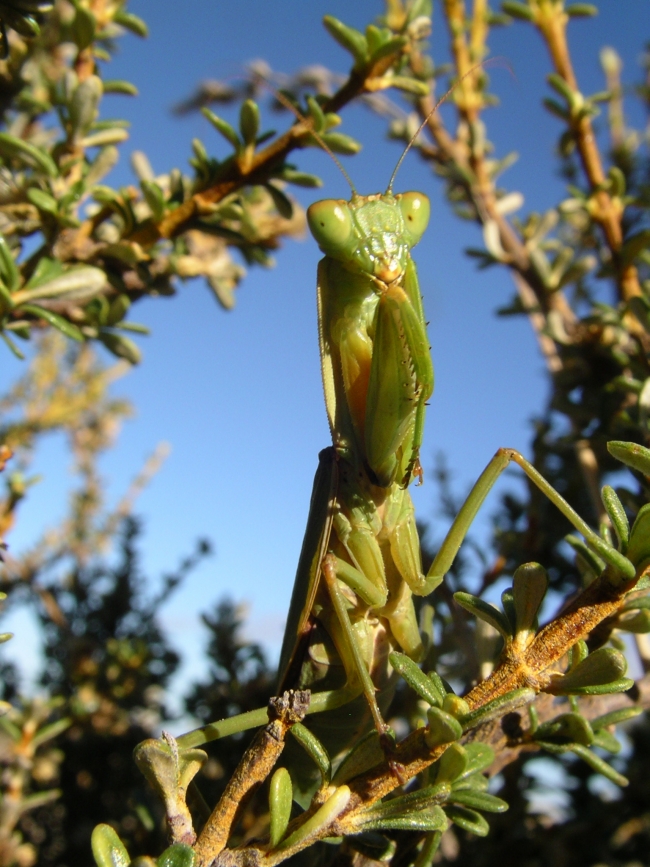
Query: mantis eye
{"points": [[415, 208], [330, 223]]}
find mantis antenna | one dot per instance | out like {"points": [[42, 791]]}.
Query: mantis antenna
{"points": [[435, 108], [281, 98]]}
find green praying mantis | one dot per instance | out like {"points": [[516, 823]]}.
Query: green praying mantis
{"points": [[360, 564]]}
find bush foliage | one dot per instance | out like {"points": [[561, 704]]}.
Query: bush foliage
{"points": [[76, 255]]}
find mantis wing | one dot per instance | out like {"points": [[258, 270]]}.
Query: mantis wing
{"points": [[308, 573]]}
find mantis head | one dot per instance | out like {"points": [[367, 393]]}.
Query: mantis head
{"points": [[370, 234]]}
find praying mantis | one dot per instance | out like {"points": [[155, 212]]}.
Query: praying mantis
{"points": [[360, 563]]}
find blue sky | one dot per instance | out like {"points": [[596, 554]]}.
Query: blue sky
{"points": [[238, 394]]}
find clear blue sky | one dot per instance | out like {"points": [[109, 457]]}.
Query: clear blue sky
{"points": [[238, 394]]}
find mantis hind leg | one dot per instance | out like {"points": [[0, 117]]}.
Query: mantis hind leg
{"points": [[458, 530]]}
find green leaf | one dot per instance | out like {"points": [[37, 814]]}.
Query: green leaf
{"points": [[568, 728], [394, 45], [316, 114], [555, 108], [529, 586], [280, 800], [222, 126], [54, 319], [384, 813], [12, 346], [415, 677], [592, 561], [638, 548], [108, 849], [283, 204], [42, 200], [51, 731], [468, 820], [639, 308], [114, 85], [352, 40], [82, 109], [615, 717], [635, 245], [178, 855], [121, 346], [46, 269], [133, 327], [606, 741], [438, 684], [300, 179], [365, 754], [314, 748], [632, 455], [409, 85], [617, 516], [118, 309], [372, 845], [249, 121], [443, 728], [581, 10], [561, 86], [603, 666], [615, 175], [341, 143], [22, 23], [83, 27], [599, 765], [518, 10], [479, 757], [104, 137], [419, 9], [78, 283], [104, 161], [452, 764], [577, 653], [39, 799], [498, 707], [432, 819], [478, 800], [8, 269], [155, 198], [131, 22], [638, 623], [27, 153], [486, 612]]}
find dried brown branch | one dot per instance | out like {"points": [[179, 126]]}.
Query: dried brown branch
{"points": [[507, 751], [607, 211], [254, 768]]}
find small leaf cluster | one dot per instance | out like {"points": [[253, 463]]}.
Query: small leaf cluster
{"points": [[102, 248], [380, 54], [109, 851], [457, 794], [30, 764], [23, 16], [572, 732]]}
